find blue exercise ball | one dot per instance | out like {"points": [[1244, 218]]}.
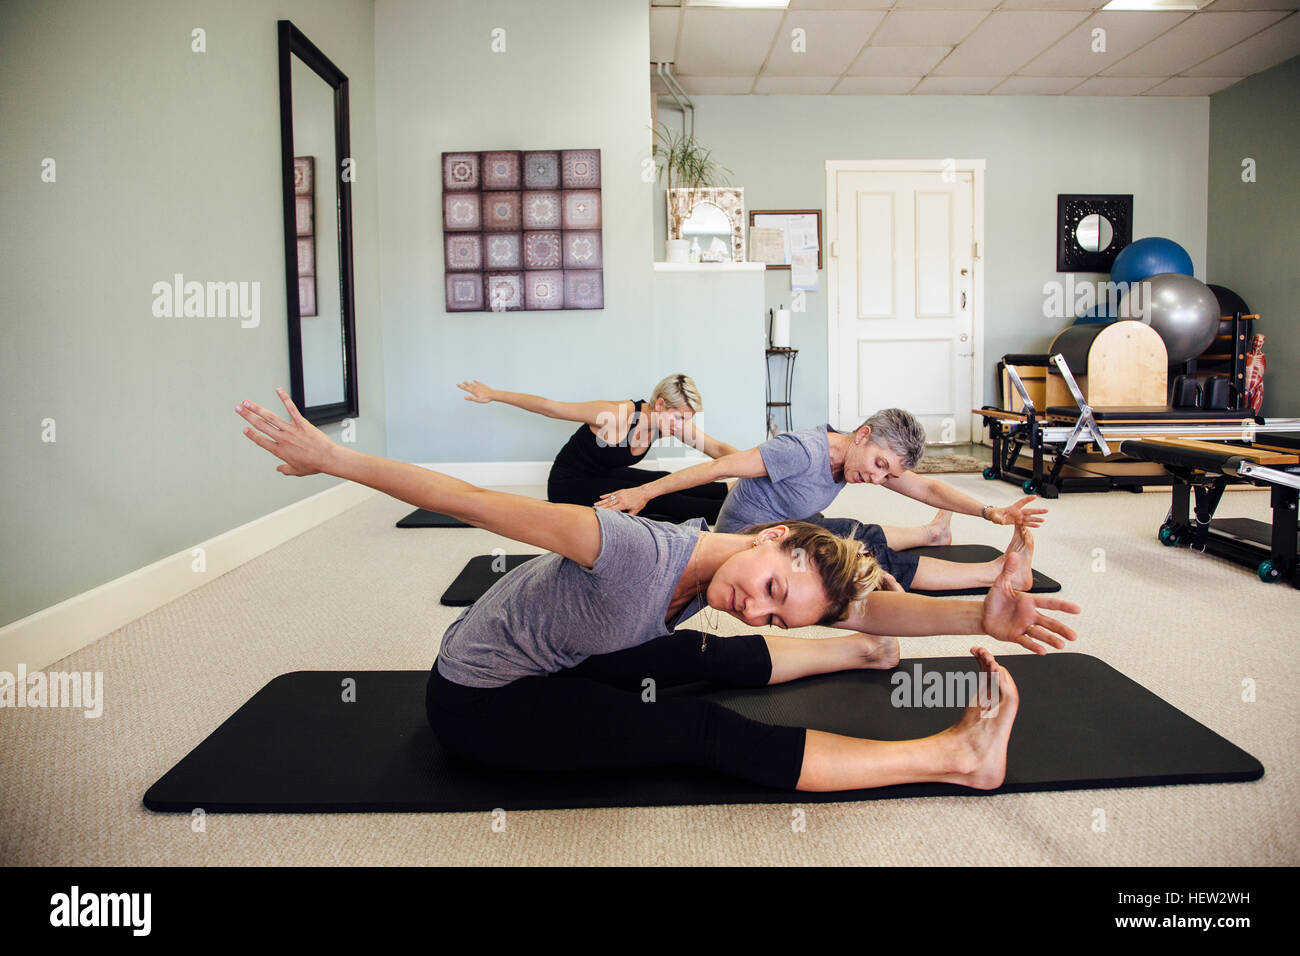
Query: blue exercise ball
{"points": [[1180, 308], [1102, 314], [1150, 257]]}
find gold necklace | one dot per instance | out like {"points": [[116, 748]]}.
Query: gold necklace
{"points": [[704, 608]]}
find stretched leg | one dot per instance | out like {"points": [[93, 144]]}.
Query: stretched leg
{"points": [[936, 534], [971, 753], [933, 574], [541, 724], [749, 660]]}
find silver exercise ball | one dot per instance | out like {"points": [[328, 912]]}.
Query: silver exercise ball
{"points": [[1180, 308]]}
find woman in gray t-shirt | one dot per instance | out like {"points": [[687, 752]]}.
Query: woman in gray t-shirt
{"points": [[556, 668]]}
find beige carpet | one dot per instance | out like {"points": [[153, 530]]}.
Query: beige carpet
{"points": [[359, 593]]}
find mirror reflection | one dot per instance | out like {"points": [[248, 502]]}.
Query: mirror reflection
{"points": [[1094, 233], [316, 214], [709, 231]]}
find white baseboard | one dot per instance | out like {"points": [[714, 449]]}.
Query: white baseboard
{"points": [[51, 634]]}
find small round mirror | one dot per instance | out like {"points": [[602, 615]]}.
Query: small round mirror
{"points": [[1094, 233]]}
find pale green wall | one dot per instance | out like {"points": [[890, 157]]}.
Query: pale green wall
{"points": [[573, 74], [1035, 148], [1254, 234], [168, 161]]}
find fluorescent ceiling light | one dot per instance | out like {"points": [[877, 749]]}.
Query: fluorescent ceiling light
{"points": [[1157, 4], [753, 4]]}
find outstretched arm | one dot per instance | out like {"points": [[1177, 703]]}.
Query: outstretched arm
{"points": [[697, 439], [940, 494], [590, 413], [565, 529], [1005, 614], [743, 464]]}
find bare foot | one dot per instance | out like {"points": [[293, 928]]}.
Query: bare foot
{"points": [[1022, 541], [979, 739], [940, 528], [879, 653]]}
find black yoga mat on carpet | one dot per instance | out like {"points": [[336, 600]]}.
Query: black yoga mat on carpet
{"points": [[296, 747], [480, 574], [419, 518]]}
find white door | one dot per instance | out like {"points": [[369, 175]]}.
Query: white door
{"points": [[903, 297]]}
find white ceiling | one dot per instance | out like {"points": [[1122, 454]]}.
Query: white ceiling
{"points": [[999, 47]]}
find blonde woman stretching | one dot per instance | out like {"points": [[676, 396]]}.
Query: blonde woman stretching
{"points": [[544, 672], [614, 436]]}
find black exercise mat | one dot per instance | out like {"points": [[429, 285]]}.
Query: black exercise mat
{"points": [[296, 747], [975, 554], [486, 570], [480, 574], [419, 518]]}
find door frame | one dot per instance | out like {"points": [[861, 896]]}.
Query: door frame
{"points": [[976, 168]]}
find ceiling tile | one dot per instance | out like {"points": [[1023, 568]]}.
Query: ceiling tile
{"points": [[1037, 85], [1086, 5], [1266, 48], [898, 60], [846, 4], [926, 27], [1192, 86], [795, 85], [725, 42], [1197, 38], [663, 33], [831, 40], [1114, 86], [715, 85], [946, 4], [1125, 32], [957, 84], [1007, 41], [873, 85]]}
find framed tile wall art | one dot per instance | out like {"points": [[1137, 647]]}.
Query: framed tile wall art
{"points": [[522, 230]]}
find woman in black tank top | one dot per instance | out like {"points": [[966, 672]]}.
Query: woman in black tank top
{"points": [[614, 436]]}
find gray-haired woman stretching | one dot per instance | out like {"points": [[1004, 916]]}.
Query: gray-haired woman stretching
{"points": [[545, 671]]}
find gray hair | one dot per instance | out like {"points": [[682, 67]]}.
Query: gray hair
{"points": [[899, 430], [679, 391]]}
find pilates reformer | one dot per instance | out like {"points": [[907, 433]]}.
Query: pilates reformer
{"points": [[1060, 438], [1201, 470]]}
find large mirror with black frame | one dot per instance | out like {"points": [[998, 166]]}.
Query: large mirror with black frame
{"points": [[317, 175]]}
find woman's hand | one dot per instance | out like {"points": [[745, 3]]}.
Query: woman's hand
{"points": [[304, 448], [629, 499], [478, 392], [1018, 514], [1017, 618]]}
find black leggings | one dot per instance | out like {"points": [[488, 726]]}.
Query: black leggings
{"points": [[573, 488], [901, 564], [598, 715]]}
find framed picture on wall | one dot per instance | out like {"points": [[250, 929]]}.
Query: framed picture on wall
{"points": [[801, 233]]}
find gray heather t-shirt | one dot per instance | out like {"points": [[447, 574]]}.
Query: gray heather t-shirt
{"points": [[798, 483], [551, 613]]}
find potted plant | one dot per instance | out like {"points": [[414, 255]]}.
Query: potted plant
{"points": [[688, 167]]}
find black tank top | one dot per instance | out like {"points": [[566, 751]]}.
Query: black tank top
{"points": [[585, 454]]}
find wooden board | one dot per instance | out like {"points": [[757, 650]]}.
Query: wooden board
{"points": [[1260, 456]]}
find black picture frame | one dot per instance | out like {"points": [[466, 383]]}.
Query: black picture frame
{"points": [[1071, 208], [293, 43]]}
